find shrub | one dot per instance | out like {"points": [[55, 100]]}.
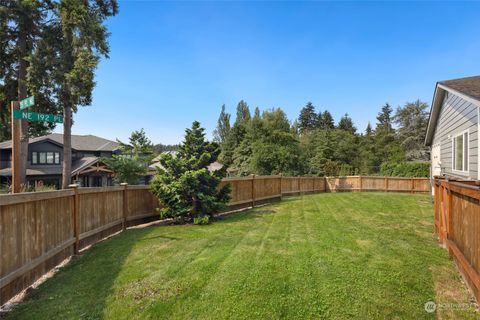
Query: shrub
{"points": [[201, 220], [184, 184], [406, 169]]}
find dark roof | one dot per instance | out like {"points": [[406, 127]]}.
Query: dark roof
{"points": [[40, 170], [469, 86], [83, 163], [83, 143], [37, 171]]}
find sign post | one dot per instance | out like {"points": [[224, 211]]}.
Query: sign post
{"points": [[19, 115], [16, 183]]}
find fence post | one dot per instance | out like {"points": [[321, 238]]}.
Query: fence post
{"points": [[253, 190], [413, 185], [360, 183], [386, 184], [449, 214], [125, 205], [281, 190], [76, 219]]}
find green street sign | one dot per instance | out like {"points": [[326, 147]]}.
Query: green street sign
{"points": [[34, 116], [27, 102]]}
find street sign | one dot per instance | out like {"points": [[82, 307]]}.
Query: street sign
{"points": [[34, 116], [27, 102]]}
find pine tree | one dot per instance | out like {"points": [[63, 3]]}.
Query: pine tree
{"points": [[346, 124], [221, 132], [243, 113], [76, 40], [384, 119], [368, 130], [133, 161], [184, 184], [319, 124], [307, 120], [412, 121], [327, 121], [21, 24], [138, 144]]}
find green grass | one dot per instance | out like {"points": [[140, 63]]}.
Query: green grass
{"points": [[332, 256]]}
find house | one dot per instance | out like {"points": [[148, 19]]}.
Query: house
{"points": [[155, 163], [45, 156], [453, 129]]}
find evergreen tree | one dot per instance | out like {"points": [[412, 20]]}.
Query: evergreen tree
{"points": [[220, 133], [368, 130], [75, 40], [327, 121], [307, 120], [243, 113], [384, 119], [412, 121], [346, 124], [320, 124], [21, 24], [134, 159], [184, 184], [138, 144]]}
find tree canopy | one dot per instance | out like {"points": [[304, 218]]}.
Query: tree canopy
{"points": [[268, 143]]}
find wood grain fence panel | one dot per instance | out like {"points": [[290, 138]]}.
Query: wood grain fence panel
{"points": [[399, 184], [457, 224], [29, 231], [422, 185], [97, 210], [373, 183], [141, 203], [466, 227]]}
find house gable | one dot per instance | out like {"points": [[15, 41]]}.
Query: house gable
{"points": [[456, 115]]}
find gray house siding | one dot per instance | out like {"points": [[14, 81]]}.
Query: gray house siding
{"points": [[456, 116]]}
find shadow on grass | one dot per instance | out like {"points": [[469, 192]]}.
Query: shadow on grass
{"points": [[80, 290]]}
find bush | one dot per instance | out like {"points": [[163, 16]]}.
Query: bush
{"points": [[184, 184], [406, 169], [201, 220]]}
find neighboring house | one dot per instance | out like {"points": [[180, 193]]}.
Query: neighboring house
{"points": [[453, 128], [45, 155], [152, 168]]}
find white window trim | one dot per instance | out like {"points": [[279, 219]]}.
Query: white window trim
{"points": [[461, 133]]}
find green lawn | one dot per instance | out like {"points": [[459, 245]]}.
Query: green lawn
{"points": [[332, 256]]}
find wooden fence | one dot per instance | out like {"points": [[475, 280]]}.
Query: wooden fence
{"points": [[39, 230], [457, 224]]}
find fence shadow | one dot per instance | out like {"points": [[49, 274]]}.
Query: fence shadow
{"points": [[85, 296]]}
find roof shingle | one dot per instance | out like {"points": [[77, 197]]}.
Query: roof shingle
{"points": [[469, 86], [83, 143]]}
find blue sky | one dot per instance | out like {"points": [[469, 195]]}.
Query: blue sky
{"points": [[175, 62]]}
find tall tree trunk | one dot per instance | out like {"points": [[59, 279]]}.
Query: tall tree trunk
{"points": [[22, 94], [67, 146]]}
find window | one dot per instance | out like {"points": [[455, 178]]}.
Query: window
{"points": [[49, 157], [45, 157], [42, 159], [460, 152]]}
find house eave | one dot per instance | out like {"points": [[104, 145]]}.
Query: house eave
{"points": [[437, 102]]}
